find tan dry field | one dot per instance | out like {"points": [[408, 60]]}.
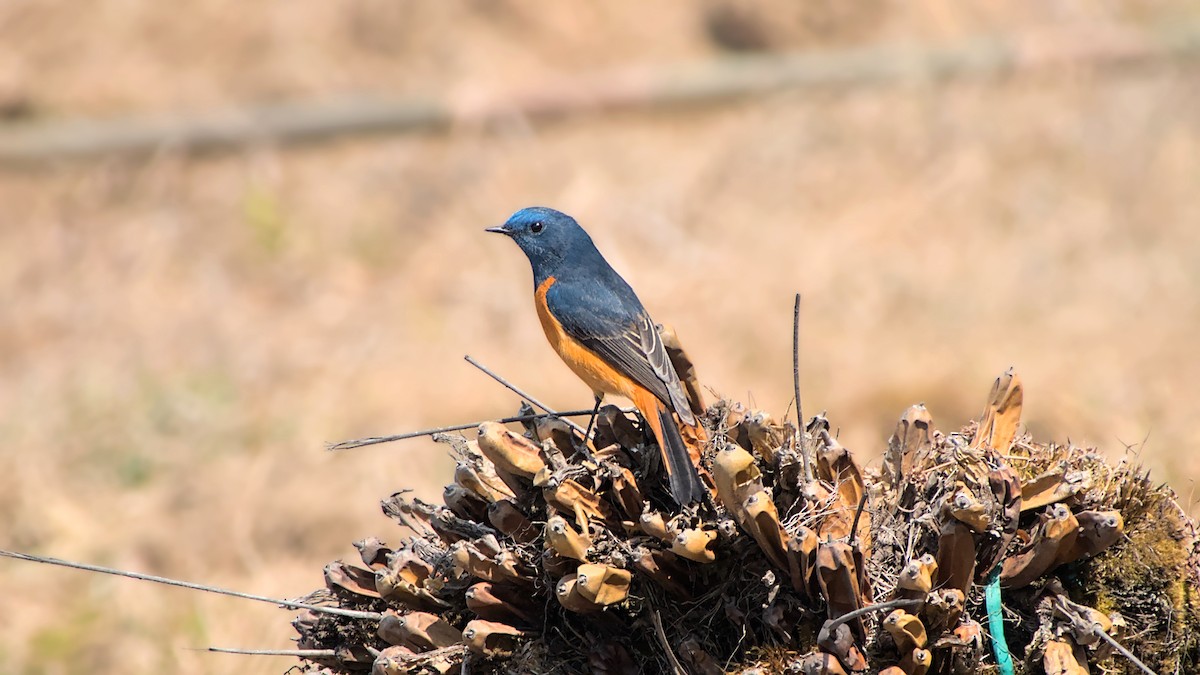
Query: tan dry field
{"points": [[182, 336]]}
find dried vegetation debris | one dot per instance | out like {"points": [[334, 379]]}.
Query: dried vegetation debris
{"points": [[552, 556]]}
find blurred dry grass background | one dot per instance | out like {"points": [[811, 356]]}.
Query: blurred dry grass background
{"points": [[181, 336]]}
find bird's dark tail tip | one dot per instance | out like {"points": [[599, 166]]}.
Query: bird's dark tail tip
{"points": [[684, 480]]}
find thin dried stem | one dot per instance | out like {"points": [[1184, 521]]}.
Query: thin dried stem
{"points": [[1123, 651], [862, 504], [661, 633], [832, 624], [299, 653], [800, 444], [353, 614], [360, 442], [512, 387]]}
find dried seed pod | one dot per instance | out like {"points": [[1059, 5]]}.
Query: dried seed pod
{"points": [[500, 602], [1005, 492], [613, 427], [1062, 657], [836, 465], [838, 580], [1054, 534], [505, 516], [998, 426], [652, 523], [571, 498], [820, 663], [350, 579], [727, 529], [479, 477], [498, 568], [909, 444], [565, 541], [733, 418], [489, 546], [841, 643], [802, 560], [662, 568], [490, 638], [1082, 622], [421, 631], [1056, 485], [693, 544], [464, 503], [403, 581], [602, 584], [1097, 531], [917, 662], [765, 434], [411, 513], [942, 610], [555, 430], [390, 632], [762, 521], [906, 630], [374, 553], [451, 528], [737, 477], [836, 518], [965, 507], [684, 368], [955, 556], [626, 491], [569, 596], [394, 660], [916, 579], [969, 634], [510, 451]]}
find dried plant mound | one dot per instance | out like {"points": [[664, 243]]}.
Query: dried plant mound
{"points": [[551, 556]]}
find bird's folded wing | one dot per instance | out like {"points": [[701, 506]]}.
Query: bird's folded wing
{"points": [[626, 338]]}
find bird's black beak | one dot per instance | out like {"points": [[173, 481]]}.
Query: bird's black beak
{"points": [[500, 229]]}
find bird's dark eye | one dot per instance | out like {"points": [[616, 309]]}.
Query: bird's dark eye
{"points": [[537, 227]]}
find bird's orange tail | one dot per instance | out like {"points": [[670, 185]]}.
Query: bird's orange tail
{"points": [[683, 475]]}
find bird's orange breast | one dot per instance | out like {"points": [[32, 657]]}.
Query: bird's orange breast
{"points": [[601, 377]]}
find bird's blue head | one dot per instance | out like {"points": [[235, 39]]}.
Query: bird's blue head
{"points": [[549, 239]]}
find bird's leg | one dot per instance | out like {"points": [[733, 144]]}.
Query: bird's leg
{"points": [[592, 419]]}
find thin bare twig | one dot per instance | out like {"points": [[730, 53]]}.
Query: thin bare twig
{"points": [[661, 633], [512, 387], [832, 624], [802, 446], [1068, 608], [353, 614], [360, 442], [299, 653], [862, 504], [1121, 648]]}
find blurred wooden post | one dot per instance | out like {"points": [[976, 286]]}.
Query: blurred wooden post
{"points": [[641, 88]]}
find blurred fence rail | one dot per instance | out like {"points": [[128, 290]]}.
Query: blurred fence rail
{"points": [[1089, 47]]}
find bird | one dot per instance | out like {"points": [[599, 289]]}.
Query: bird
{"points": [[598, 326]]}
